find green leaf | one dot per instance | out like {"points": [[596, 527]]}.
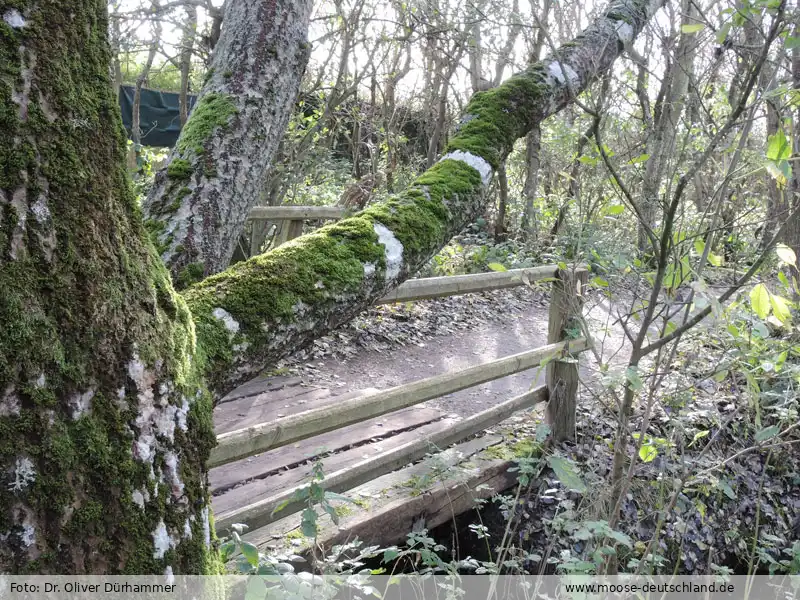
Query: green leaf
{"points": [[786, 254], [759, 300], [648, 452], [693, 28], [340, 497], [639, 159], [699, 246], [722, 33], [620, 537], [308, 523], [723, 485], [633, 378], [600, 282], [250, 552], [767, 433], [698, 436], [566, 473], [792, 42], [496, 267], [715, 259], [617, 209], [778, 147], [780, 308]]}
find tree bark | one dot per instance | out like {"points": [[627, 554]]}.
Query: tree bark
{"points": [[217, 171], [261, 310], [105, 425]]}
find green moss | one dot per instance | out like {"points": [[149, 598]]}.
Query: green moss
{"points": [[179, 169], [190, 274], [490, 131], [212, 111], [77, 309]]}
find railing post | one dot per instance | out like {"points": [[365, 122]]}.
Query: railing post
{"points": [[566, 304], [259, 235]]}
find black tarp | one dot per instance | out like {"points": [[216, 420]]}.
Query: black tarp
{"points": [[159, 114]]}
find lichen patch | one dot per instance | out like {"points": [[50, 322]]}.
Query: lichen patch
{"points": [[476, 162], [393, 251], [161, 540], [227, 319], [14, 18], [23, 474]]}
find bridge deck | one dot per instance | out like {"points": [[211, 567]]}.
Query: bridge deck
{"points": [[272, 476]]}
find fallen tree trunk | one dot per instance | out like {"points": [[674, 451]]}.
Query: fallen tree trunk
{"points": [[260, 310]]}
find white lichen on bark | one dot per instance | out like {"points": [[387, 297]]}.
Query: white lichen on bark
{"points": [[14, 19], [481, 165], [161, 540], [227, 319], [23, 474], [393, 251]]}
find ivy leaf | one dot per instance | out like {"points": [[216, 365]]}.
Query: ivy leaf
{"points": [[633, 378], [693, 28], [566, 473], [759, 300], [308, 523]]}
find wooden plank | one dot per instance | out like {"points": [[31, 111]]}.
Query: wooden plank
{"points": [[258, 438], [254, 410], [257, 512], [391, 523], [438, 287], [258, 235], [261, 385], [253, 503], [296, 212], [387, 491], [223, 478]]}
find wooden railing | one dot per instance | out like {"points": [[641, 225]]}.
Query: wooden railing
{"points": [[560, 391], [288, 221]]}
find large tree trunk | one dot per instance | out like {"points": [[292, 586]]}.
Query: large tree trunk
{"points": [[217, 171], [104, 424], [260, 310]]}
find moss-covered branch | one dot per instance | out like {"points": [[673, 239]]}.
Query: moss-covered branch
{"points": [[261, 310]]}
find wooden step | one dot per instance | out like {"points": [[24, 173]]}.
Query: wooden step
{"points": [[261, 385], [271, 462]]}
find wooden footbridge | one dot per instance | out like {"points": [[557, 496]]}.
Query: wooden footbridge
{"points": [[272, 430]]}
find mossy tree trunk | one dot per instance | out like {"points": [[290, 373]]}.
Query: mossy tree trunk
{"points": [[104, 422], [263, 309], [220, 165]]}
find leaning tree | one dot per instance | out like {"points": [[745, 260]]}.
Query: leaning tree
{"points": [[108, 375]]}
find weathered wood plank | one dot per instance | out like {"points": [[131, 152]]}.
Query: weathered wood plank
{"points": [[246, 442], [253, 503], [224, 478], [438, 287], [275, 213], [261, 385], [257, 513], [385, 489], [566, 304], [254, 410]]}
